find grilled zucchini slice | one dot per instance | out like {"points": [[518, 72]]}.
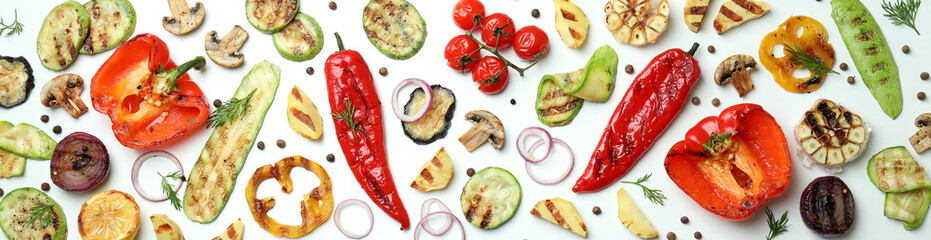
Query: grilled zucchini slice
{"points": [[301, 40], [11, 165], [62, 35], [435, 124], [27, 141], [16, 81], [15, 210], [490, 197], [894, 170], [554, 107], [394, 27], [271, 16], [910, 207], [112, 22], [214, 174]]}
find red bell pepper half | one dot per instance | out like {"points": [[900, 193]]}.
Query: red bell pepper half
{"points": [[730, 164], [149, 99]]}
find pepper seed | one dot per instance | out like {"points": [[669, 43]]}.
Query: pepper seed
{"points": [[671, 236], [470, 172], [711, 48], [280, 143], [843, 66], [261, 145], [217, 103], [535, 13], [629, 69], [924, 76], [45, 187], [330, 158], [44, 118], [851, 80], [684, 219], [596, 210], [715, 102], [56, 129], [383, 71], [921, 96], [310, 70], [513, 102], [332, 5], [906, 49], [696, 101]]}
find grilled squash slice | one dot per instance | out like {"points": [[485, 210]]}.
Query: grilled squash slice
{"points": [[301, 40], [554, 107], [571, 23], [271, 16], [694, 12], [490, 197], [560, 212], [14, 216], [394, 27], [736, 12], [435, 174], [62, 35], [112, 22]]}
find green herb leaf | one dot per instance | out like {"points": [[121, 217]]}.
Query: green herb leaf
{"points": [[776, 227], [232, 109], [41, 214], [192, 121], [169, 189], [15, 27], [803, 59], [902, 12], [654, 195], [347, 116]]}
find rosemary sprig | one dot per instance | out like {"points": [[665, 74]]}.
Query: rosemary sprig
{"points": [[655, 195], [42, 214], [169, 189], [776, 227], [347, 116], [15, 27], [232, 109], [804, 60], [902, 12]]}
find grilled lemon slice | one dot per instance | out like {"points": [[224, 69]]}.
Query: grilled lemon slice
{"points": [[831, 134], [109, 215]]}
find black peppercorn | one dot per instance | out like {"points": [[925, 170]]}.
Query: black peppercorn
{"points": [[332, 5], [596, 210], [470, 172], [56, 129], [280, 143], [261, 145], [310, 70], [383, 71], [710, 48], [45, 187], [513, 102], [535, 13], [44, 118], [684, 219], [629, 69], [217, 103], [330, 158]]}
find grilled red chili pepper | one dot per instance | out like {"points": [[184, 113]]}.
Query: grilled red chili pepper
{"points": [[652, 101], [149, 99], [730, 164], [356, 114]]}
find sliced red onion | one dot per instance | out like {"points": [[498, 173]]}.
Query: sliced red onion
{"points": [[138, 165], [423, 110], [447, 214], [559, 177], [424, 211], [527, 154], [339, 225]]}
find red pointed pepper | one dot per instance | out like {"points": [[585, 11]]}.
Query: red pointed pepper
{"points": [[730, 164], [652, 101], [149, 99], [357, 116]]}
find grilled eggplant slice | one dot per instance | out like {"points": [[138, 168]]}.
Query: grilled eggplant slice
{"points": [[271, 16], [894, 170], [394, 27], [214, 174], [15, 210], [16, 81], [301, 40], [490, 197], [554, 107], [27, 141], [434, 125], [830, 134], [435, 174], [112, 22], [62, 35]]}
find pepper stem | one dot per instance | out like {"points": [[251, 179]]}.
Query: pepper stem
{"points": [[718, 143], [339, 42], [691, 51], [171, 76]]}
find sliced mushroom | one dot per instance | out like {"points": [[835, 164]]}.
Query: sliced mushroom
{"points": [[486, 127], [736, 70], [65, 91], [225, 52], [921, 141], [183, 19]]}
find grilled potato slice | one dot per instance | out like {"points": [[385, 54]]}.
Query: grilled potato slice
{"points": [[631, 216], [303, 116], [736, 12], [560, 212], [694, 12], [165, 228], [571, 23], [632, 23], [435, 174], [111, 23], [233, 232], [395, 27], [831, 134], [62, 35]]}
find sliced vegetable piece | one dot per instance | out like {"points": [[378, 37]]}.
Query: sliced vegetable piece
{"points": [[490, 197], [557, 178], [16, 81], [109, 214], [631, 22], [921, 141], [214, 174], [736, 70], [485, 127], [339, 224], [315, 208], [138, 165], [560, 212], [79, 163], [736, 12], [894, 170], [827, 206], [571, 23], [271, 16], [27, 141], [830, 134], [65, 91], [436, 121], [165, 228], [301, 40], [632, 217], [554, 107], [694, 13], [394, 27], [435, 174], [184, 19], [425, 210], [225, 51], [424, 106], [595, 82], [17, 207], [11, 165], [111, 23], [62, 35], [798, 36], [233, 232], [910, 207], [303, 116]]}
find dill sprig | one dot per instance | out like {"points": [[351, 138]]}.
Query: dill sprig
{"points": [[15, 27], [347, 115], [902, 12], [232, 109], [776, 227], [42, 214], [169, 189], [654, 195], [804, 60]]}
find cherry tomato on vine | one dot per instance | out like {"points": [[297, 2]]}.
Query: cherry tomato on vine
{"points": [[462, 53], [530, 42], [464, 13], [497, 28], [491, 73]]}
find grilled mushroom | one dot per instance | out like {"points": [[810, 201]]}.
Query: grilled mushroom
{"points": [[16, 81], [921, 141], [736, 70], [486, 127], [65, 91], [225, 51], [183, 19]]}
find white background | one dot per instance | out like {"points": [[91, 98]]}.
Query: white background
{"points": [[405, 157]]}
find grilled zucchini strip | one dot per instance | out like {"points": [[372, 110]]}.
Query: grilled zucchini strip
{"points": [[62, 35], [394, 27], [554, 107]]}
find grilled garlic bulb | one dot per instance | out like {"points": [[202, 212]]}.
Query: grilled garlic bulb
{"points": [[630, 22], [831, 134]]}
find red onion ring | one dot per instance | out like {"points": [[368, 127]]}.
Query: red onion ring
{"points": [[138, 165], [559, 177], [528, 154], [339, 225], [423, 110], [448, 215], [424, 211]]}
